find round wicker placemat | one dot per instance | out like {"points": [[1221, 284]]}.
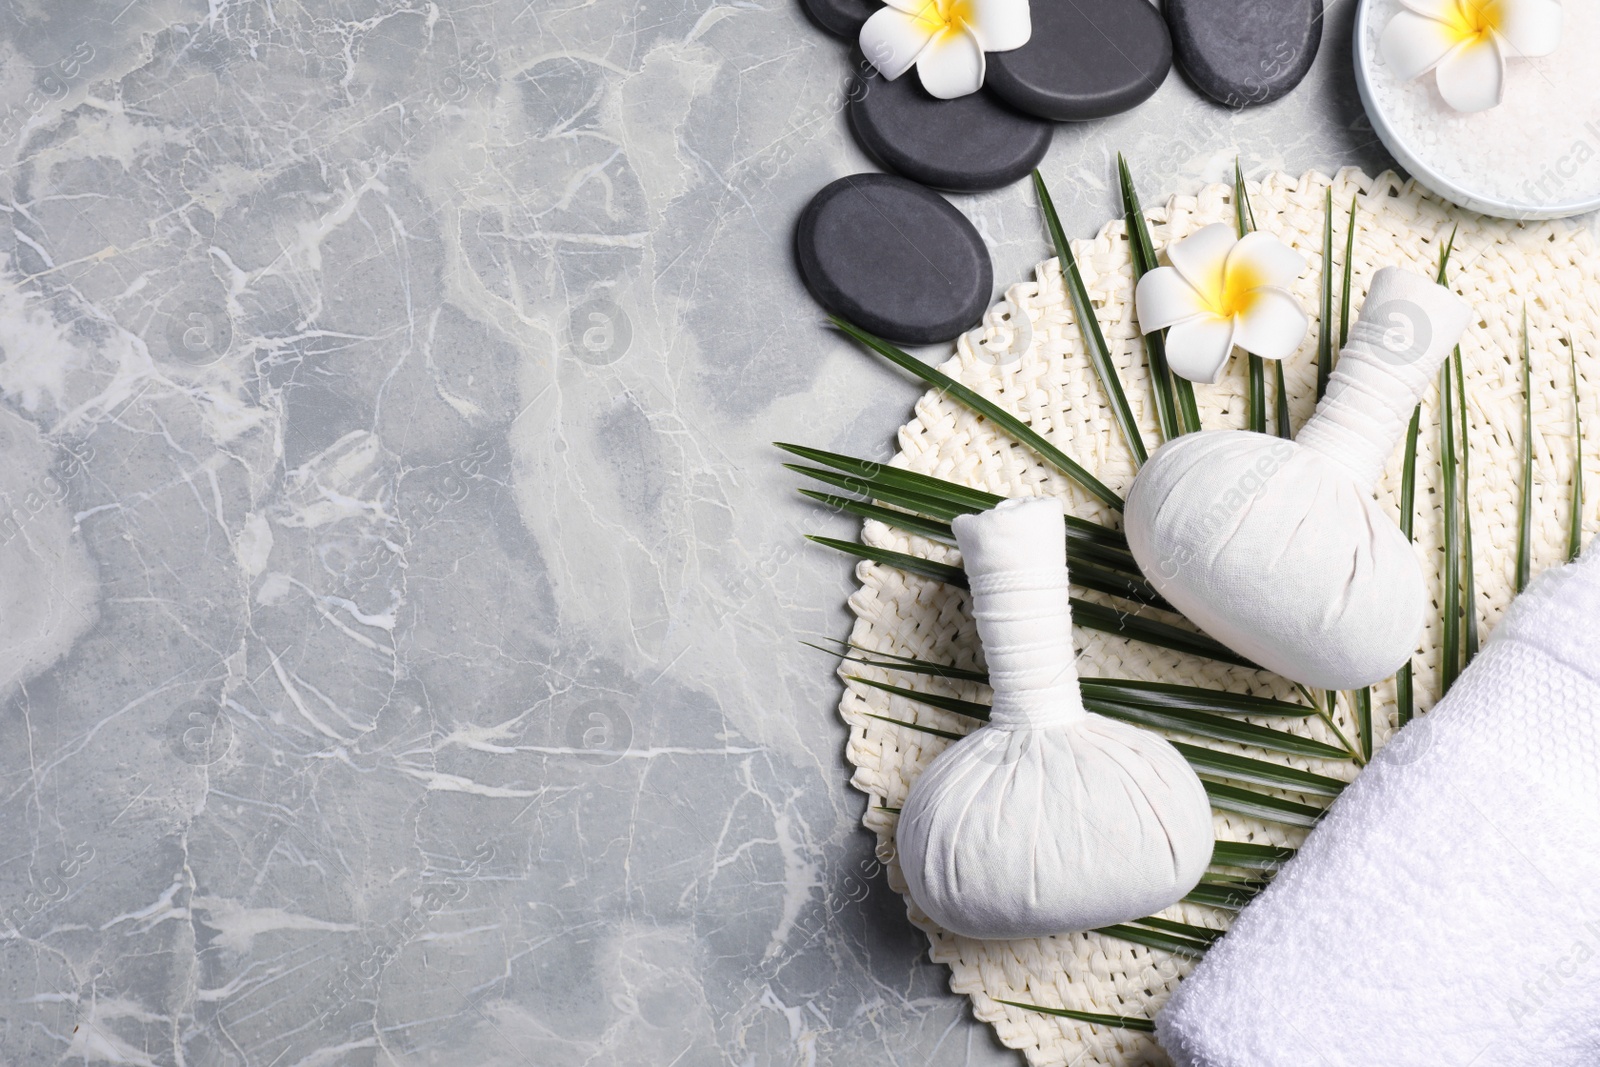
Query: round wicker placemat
{"points": [[1500, 267]]}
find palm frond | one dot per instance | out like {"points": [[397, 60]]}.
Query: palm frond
{"points": [[1082, 546], [921, 728], [1232, 897], [1138, 935], [1575, 524], [1261, 806], [1119, 1022], [1138, 628], [980, 405], [1349, 263], [900, 520], [1094, 341], [1249, 771], [1196, 723], [1118, 690], [1084, 573], [1188, 698], [1404, 693], [1248, 856], [1361, 702], [1142, 252], [1204, 934], [1256, 388], [926, 568], [1450, 644], [1325, 306], [1089, 616], [1280, 407], [1525, 507], [874, 479], [1469, 585]]}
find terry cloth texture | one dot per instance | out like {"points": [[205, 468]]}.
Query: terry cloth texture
{"points": [[1447, 909]]}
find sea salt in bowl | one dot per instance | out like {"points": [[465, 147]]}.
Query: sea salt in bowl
{"points": [[1536, 156]]}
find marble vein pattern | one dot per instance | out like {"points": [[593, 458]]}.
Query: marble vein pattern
{"points": [[400, 600]]}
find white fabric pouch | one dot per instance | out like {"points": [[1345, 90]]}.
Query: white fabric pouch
{"points": [[1051, 818], [1278, 548]]}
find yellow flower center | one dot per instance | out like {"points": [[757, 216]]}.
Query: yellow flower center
{"points": [[943, 16], [1237, 290], [1474, 20]]}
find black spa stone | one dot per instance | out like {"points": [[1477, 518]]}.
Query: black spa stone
{"points": [[1245, 52], [1086, 59], [895, 258], [967, 144], [842, 18]]}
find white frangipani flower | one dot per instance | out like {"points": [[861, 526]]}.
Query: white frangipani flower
{"points": [[944, 39], [1467, 42], [1222, 291]]}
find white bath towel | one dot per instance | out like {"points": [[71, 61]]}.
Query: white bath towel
{"points": [[1446, 912]]}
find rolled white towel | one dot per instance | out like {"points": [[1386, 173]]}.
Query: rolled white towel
{"points": [[1446, 912]]}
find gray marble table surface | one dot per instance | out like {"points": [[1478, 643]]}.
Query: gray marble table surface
{"points": [[401, 603]]}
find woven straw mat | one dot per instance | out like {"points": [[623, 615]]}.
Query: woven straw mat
{"points": [[1500, 267]]}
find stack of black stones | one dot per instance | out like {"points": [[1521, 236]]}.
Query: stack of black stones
{"points": [[890, 254]]}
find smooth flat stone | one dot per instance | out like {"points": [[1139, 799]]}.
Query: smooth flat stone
{"points": [[895, 258], [1245, 52], [1087, 59], [970, 143], [842, 18]]}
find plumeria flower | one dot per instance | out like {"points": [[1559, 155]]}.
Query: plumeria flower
{"points": [[1467, 42], [1222, 291], [944, 39]]}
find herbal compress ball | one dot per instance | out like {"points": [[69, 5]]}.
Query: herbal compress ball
{"points": [[1277, 548], [1050, 819]]}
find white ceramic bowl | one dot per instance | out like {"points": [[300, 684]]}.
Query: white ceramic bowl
{"points": [[1428, 176]]}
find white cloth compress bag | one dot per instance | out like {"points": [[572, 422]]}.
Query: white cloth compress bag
{"points": [[1050, 819], [1278, 548], [1446, 911]]}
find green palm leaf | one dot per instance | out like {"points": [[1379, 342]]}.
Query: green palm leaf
{"points": [[1117, 690], [910, 481], [1085, 573], [1231, 896], [1248, 856], [1142, 253], [940, 499], [1120, 1022], [1450, 645], [1261, 806], [1204, 934], [1469, 586], [1404, 694], [1094, 341], [1257, 772], [1575, 526], [1256, 390], [1198, 723], [985, 407], [1138, 935], [1325, 307], [1089, 616], [1525, 507], [1349, 263], [1361, 701]]}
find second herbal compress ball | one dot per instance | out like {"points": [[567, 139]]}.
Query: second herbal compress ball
{"points": [[1278, 548], [1050, 819]]}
